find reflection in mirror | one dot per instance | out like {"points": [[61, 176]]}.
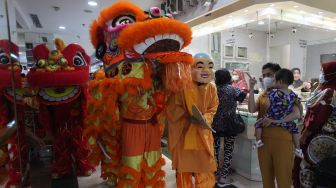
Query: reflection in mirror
{"points": [[13, 149]]}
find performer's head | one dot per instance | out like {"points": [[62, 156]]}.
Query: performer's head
{"points": [[202, 69], [328, 75]]}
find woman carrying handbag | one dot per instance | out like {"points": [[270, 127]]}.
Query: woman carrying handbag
{"points": [[226, 122]]}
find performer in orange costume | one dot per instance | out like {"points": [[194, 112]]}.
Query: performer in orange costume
{"points": [[191, 145], [142, 64]]}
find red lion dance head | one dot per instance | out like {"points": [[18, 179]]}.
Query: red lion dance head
{"points": [[59, 74]]}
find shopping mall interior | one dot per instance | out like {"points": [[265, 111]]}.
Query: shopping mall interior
{"points": [[84, 85]]}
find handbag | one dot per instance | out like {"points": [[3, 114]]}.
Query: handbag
{"points": [[233, 126]]}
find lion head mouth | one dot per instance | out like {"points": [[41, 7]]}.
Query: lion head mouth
{"points": [[157, 38], [160, 43]]}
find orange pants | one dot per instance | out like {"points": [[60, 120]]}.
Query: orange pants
{"points": [[202, 180], [276, 158]]}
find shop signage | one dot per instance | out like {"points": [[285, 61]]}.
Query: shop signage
{"points": [[303, 43]]}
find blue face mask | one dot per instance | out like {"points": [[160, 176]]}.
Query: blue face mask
{"points": [[321, 78]]}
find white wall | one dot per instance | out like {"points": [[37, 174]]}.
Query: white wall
{"points": [[313, 57], [280, 55], [12, 21], [256, 48], [199, 44], [298, 55]]}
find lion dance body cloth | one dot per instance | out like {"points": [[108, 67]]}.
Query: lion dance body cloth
{"points": [[143, 64], [60, 78], [11, 155]]}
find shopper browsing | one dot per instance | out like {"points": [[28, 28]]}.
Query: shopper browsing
{"points": [[282, 101]]}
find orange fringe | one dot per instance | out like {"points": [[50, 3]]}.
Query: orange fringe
{"points": [[110, 13], [171, 57], [156, 167], [130, 171], [177, 77], [158, 177], [159, 184], [137, 33]]}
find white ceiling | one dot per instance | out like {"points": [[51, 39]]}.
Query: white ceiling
{"points": [[71, 15], [287, 14]]}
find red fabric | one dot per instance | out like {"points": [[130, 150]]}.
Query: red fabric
{"points": [[40, 52], [58, 79], [329, 70], [241, 83], [9, 47], [5, 81], [14, 178], [315, 119], [71, 50]]}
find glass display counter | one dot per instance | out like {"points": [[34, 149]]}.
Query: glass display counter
{"points": [[245, 157]]}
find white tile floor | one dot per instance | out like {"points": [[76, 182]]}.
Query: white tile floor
{"points": [[95, 181]]}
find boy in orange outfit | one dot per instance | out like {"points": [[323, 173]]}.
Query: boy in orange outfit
{"points": [[190, 141]]}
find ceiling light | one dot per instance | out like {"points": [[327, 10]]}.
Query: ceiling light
{"points": [[261, 22], [268, 11], [320, 12], [20, 53], [295, 6], [207, 3], [62, 27], [92, 3], [246, 10]]}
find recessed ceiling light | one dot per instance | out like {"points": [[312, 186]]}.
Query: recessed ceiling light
{"points": [[261, 22], [92, 3], [62, 27], [320, 12], [246, 10], [295, 6]]}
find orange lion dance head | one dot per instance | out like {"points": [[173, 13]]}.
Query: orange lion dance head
{"points": [[125, 33]]}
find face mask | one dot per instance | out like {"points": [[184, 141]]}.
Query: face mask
{"points": [[268, 82], [235, 77], [321, 78]]}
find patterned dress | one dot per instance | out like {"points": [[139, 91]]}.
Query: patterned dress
{"points": [[281, 105]]}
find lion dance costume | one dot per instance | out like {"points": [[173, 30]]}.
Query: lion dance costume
{"points": [[60, 78], [143, 64], [12, 155]]}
